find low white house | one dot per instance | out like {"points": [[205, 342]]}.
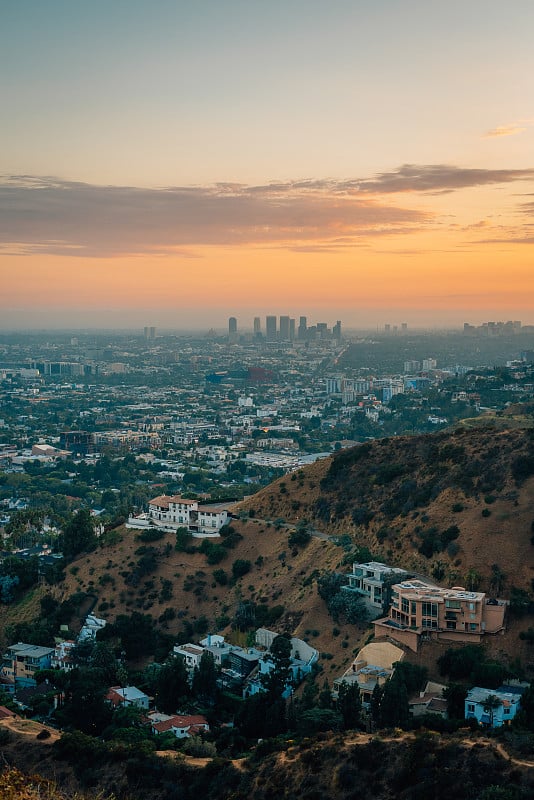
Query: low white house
{"points": [[127, 696]]}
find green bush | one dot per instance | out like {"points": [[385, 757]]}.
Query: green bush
{"points": [[240, 567]]}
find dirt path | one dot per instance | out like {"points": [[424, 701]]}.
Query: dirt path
{"points": [[238, 763], [29, 727]]}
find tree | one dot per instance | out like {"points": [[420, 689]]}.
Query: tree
{"points": [[240, 567], [455, 695], [497, 578], [205, 679], [350, 704], [394, 708], [472, 579], [276, 680], [78, 535], [319, 719], [85, 707], [490, 705], [171, 685], [376, 700]]}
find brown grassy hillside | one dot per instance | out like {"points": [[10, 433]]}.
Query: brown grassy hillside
{"points": [[401, 497], [458, 507], [338, 766]]}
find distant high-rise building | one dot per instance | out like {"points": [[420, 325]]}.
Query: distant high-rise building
{"points": [[232, 329], [303, 327], [284, 329], [322, 329], [404, 327], [291, 330], [336, 331], [387, 327], [257, 326], [270, 329], [150, 332], [412, 366], [429, 363]]}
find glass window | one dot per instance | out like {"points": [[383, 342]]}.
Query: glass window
{"points": [[430, 609]]}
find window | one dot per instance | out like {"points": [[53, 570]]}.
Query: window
{"points": [[506, 710], [405, 605], [430, 609], [473, 626], [451, 626], [471, 708], [430, 623]]}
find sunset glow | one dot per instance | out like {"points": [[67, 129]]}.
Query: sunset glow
{"points": [[177, 164]]}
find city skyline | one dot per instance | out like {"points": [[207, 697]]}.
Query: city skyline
{"points": [[177, 164]]}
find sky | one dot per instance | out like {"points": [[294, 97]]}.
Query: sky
{"points": [[177, 163]]}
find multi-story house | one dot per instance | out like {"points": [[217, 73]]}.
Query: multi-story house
{"points": [[21, 662], [173, 511], [419, 610], [373, 581]]}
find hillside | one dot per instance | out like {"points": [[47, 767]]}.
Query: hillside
{"points": [[378, 767], [404, 498], [457, 507]]}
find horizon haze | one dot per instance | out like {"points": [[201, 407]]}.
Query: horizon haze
{"points": [[175, 164]]}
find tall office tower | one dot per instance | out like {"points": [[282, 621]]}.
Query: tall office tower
{"points": [[336, 331], [284, 329], [270, 329], [404, 327], [257, 326], [322, 329], [150, 332], [232, 330], [387, 327], [291, 330], [303, 327]]}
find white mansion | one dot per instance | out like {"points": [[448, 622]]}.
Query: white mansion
{"points": [[173, 511]]}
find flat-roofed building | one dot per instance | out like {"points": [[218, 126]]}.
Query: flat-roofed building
{"points": [[420, 610], [373, 580], [21, 661]]}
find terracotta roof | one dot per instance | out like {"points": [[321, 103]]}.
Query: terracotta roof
{"points": [[162, 500], [194, 724]]}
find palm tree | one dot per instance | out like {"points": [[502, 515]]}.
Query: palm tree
{"points": [[497, 578], [472, 579], [490, 705]]}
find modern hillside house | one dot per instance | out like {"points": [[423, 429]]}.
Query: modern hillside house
{"points": [[373, 580], [420, 611]]}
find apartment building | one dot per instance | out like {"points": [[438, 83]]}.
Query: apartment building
{"points": [[421, 611]]}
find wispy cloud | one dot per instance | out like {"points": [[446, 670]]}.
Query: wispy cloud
{"points": [[504, 130], [53, 216]]}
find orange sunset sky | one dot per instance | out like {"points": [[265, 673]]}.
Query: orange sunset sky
{"points": [[175, 163]]}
